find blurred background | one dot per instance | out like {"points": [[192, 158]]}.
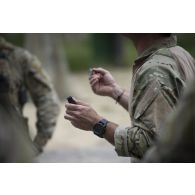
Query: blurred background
{"points": [[67, 58]]}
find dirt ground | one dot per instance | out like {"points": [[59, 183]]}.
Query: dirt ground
{"points": [[73, 145]]}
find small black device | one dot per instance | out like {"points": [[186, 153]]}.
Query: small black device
{"points": [[99, 128], [71, 100]]}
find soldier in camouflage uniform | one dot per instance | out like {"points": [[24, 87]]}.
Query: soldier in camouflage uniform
{"points": [[159, 75], [176, 142], [15, 143], [23, 73]]}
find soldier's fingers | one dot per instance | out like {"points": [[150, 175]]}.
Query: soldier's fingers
{"points": [[69, 117], [73, 113], [75, 107], [100, 70], [95, 76], [94, 82]]}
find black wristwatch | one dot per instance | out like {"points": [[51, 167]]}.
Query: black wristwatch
{"points": [[99, 128]]}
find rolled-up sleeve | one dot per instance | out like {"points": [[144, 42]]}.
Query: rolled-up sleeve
{"points": [[120, 139], [132, 141]]}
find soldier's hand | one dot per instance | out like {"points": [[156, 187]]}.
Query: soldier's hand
{"points": [[102, 82], [81, 115], [37, 150], [40, 141]]}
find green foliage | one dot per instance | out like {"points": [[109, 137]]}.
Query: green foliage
{"points": [[187, 41], [15, 38], [129, 52], [79, 54], [85, 52]]}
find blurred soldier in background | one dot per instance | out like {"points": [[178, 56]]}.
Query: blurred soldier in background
{"points": [[176, 142], [15, 143], [22, 73], [159, 75]]}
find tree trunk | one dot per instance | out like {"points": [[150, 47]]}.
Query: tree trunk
{"points": [[50, 51], [108, 48]]}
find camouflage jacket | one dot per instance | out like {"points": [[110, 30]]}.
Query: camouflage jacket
{"points": [[15, 143], [26, 74], [176, 142], [159, 75]]}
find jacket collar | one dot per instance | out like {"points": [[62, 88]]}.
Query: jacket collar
{"points": [[164, 43]]}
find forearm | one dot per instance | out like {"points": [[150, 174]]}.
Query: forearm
{"points": [[132, 142], [121, 96], [110, 130]]}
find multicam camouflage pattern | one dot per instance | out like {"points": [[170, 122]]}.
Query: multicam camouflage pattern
{"points": [[160, 74], [176, 142], [26, 74]]}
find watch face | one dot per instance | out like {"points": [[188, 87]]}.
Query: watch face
{"points": [[100, 128]]}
